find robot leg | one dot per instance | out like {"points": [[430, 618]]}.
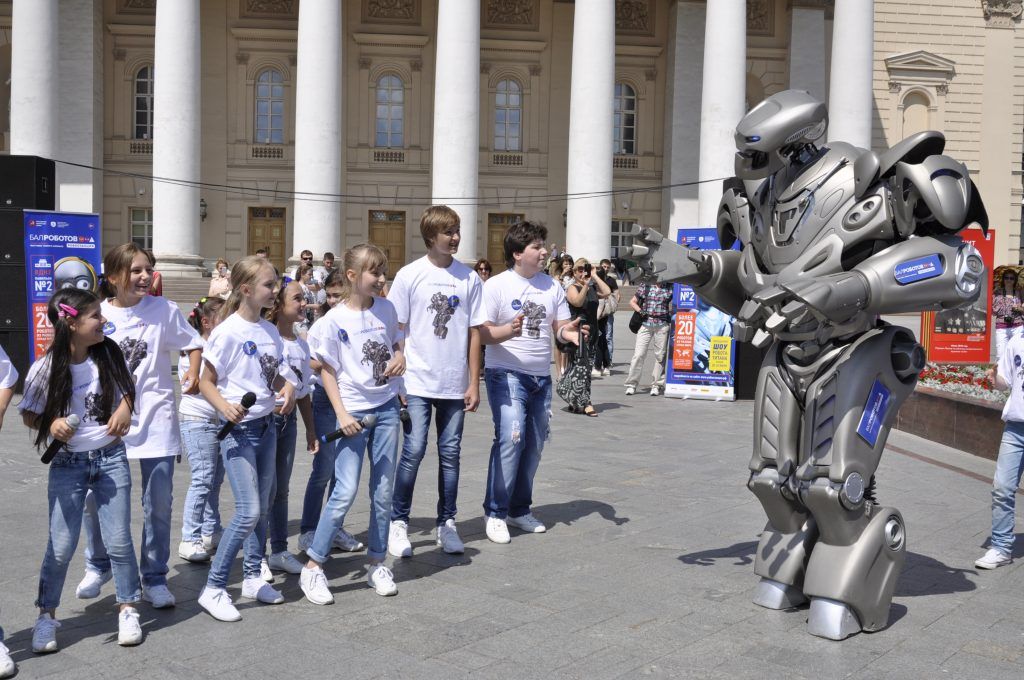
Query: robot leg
{"points": [[790, 532], [853, 568]]}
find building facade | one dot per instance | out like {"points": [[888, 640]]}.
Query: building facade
{"points": [[210, 129]]}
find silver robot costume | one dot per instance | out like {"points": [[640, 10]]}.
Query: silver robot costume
{"points": [[831, 237]]}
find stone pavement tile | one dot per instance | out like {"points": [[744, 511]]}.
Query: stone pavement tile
{"points": [[610, 662], [466, 658]]}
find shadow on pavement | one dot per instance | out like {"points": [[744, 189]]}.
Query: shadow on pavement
{"points": [[741, 552]]}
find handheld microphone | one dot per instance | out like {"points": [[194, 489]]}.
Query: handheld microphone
{"points": [[369, 420], [56, 445], [403, 415], [248, 399]]}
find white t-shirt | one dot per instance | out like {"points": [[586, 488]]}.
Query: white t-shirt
{"points": [[147, 334], [194, 405], [85, 391], [248, 357], [357, 344], [438, 306], [542, 301], [1011, 369], [314, 376], [296, 357], [8, 373]]}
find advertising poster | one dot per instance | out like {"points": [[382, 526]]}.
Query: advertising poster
{"points": [[964, 335], [62, 250], [701, 356]]}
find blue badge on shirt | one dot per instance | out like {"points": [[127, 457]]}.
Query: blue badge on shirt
{"points": [[517, 305], [1016, 361], [109, 328], [453, 301], [342, 335], [249, 347], [874, 413]]}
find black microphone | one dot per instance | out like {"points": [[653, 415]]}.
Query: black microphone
{"points": [[248, 399], [369, 420], [73, 422], [403, 415]]}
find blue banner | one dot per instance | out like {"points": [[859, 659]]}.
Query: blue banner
{"points": [[701, 356], [62, 250]]}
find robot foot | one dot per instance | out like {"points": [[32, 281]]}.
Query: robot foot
{"points": [[831, 619], [775, 595]]}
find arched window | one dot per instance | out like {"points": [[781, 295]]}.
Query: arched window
{"points": [[144, 103], [624, 129], [508, 116], [390, 112], [269, 124], [916, 117]]}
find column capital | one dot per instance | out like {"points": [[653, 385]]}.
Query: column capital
{"points": [[1002, 13]]}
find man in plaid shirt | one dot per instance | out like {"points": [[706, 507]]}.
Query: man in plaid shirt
{"points": [[654, 302]]}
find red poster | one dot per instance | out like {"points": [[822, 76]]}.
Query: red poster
{"points": [[682, 347], [963, 335]]}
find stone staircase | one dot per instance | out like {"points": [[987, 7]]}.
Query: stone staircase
{"points": [[186, 291]]}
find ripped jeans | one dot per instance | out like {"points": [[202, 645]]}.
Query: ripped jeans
{"points": [[521, 409]]}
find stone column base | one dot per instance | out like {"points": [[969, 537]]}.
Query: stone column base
{"points": [[180, 266]]}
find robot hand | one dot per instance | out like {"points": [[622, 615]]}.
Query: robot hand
{"points": [[813, 308], [662, 261]]}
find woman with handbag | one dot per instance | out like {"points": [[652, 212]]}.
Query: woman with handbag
{"points": [[584, 295]]}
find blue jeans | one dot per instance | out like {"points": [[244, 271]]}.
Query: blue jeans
{"points": [[284, 458], [248, 453], [521, 409], [202, 500], [321, 476], [381, 442], [610, 335], [157, 497], [1009, 466], [104, 473], [449, 419]]}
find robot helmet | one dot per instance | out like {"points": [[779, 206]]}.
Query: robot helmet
{"points": [[73, 272], [792, 118]]}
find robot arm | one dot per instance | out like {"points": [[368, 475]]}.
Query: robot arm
{"points": [[712, 273]]}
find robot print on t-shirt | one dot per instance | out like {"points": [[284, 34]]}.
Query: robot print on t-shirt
{"points": [[134, 352], [93, 409], [533, 317], [376, 354], [443, 308], [298, 372], [268, 369]]}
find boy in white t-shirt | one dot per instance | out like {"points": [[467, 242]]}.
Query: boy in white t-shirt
{"points": [[524, 307], [1008, 374], [438, 301]]}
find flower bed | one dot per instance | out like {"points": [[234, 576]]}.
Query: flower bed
{"points": [[968, 380]]}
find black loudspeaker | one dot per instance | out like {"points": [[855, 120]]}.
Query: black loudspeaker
{"points": [[15, 343], [13, 299], [12, 236], [28, 182]]}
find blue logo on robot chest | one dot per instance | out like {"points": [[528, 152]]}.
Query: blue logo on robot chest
{"points": [[249, 347], [875, 409], [918, 269]]}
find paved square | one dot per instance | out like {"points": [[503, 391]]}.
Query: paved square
{"points": [[645, 572]]}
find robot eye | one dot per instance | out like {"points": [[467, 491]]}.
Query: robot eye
{"points": [[82, 284]]}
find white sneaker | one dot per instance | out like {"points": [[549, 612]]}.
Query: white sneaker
{"points": [[44, 634], [594, 373], [497, 530], [193, 551], [314, 585], [306, 540], [261, 591], [284, 561], [346, 542], [630, 391], [448, 538], [265, 572], [382, 580], [158, 596], [992, 559], [129, 632], [655, 391], [211, 542], [398, 539], [217, 602], [7, 665], [606, 372], [527, 523], [89, 586]]}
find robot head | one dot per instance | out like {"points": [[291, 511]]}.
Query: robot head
{"points": [[773, 133], [72, 272]]}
